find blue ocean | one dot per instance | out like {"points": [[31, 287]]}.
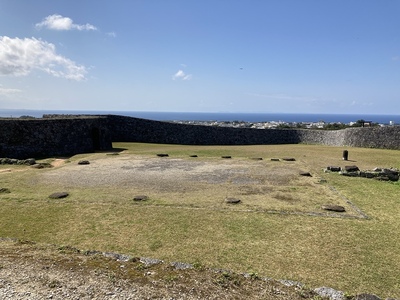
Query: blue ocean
{"points": [[223, 116]]}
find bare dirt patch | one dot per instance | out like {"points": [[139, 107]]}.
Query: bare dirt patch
{"points": [[263, 186], [58, 162]]}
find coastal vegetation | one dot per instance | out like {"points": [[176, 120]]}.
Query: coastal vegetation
{"points": [[277, 231]]}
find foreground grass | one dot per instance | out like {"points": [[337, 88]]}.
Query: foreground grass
{"points": [[353, 255]]}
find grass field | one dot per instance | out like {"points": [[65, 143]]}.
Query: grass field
{"points": [[278, 230]]}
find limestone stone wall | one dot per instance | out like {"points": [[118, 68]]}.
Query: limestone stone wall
{"points": [[322, 137], [58, 135], [21, 138], [126, 129], [140, 130], [373, 137]]}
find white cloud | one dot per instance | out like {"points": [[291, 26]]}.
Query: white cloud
{"points": [[7, 92], [181, 75], [58, 22], [19, 57]]}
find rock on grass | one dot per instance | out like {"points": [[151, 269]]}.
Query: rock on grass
{"points": [[59, 195]]}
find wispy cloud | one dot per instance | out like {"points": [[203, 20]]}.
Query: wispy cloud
{"points": [[111, 34], [58, 22], [19, 57], [7, 92], [361, 104], [180, 75]]}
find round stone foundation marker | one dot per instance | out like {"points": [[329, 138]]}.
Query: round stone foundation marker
{"points": [[288, 159], [306, 174], [140, 198], [336, 208], [59, 195], [232, 200]]}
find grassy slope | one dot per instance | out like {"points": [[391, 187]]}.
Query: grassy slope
{"points": [[346, 254]]}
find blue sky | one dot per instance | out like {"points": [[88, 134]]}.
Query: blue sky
{"points": [[294, 56]]}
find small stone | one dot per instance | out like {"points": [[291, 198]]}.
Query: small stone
{"points": [[59, 195], [275, 159], [333, 168], [226, 156], [162, 155], [336, 208], [289, 159], [193, 155], [30, 161], [351, 168], [140, 198], [83, 162], [232, 200], [13, 161], [256, 158], [307, 174]]}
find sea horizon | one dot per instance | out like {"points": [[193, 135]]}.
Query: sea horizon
{"points": [[215, 116]]}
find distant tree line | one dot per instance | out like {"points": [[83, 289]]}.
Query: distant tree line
{"points": [[358, 123]]}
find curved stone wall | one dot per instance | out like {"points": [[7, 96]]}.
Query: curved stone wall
{"points": [[323, 137], [126, 129], [373, 137], [59, 135]]}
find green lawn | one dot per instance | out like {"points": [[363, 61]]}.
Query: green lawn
{"points": [[350, 254]]}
